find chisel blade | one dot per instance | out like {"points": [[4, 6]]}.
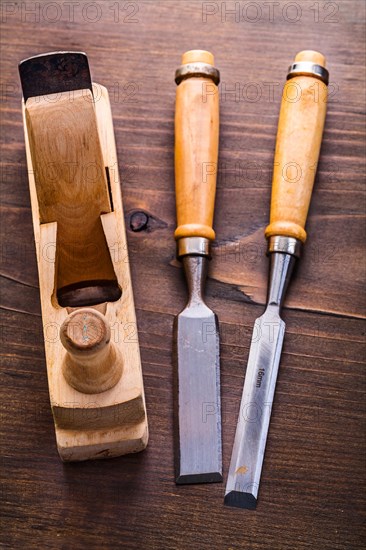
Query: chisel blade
{"points": [[255, 410], [197, 396]]}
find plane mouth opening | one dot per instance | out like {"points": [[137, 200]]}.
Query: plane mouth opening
{"points": [[88, 293]]}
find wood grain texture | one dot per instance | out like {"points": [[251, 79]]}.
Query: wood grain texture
{"points": [[64, 126], [298, 142], [312, 492], [196, 151]]}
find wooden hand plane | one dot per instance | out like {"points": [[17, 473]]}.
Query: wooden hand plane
{"points": [[89, 323]]}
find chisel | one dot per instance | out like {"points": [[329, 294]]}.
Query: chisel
{"points": [[196, 337], [299, 136]]}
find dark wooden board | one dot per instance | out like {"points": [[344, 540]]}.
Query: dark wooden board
{"points": [[313, 479]]}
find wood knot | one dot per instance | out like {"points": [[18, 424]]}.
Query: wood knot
{"points": [[139, 221], [144, 221]]}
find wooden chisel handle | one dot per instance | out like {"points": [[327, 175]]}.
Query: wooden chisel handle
{"points": [[299, 136], [196, 144]]}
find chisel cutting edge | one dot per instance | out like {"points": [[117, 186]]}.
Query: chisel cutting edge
{"points": [[196, 337], [299, 136]]}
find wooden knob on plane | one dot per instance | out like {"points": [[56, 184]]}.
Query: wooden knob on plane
{"points": [[299, 136], [92, 363], [196, 144]]}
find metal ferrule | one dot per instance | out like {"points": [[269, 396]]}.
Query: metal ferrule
{"points": [[308, 68], [195, 70], [286, 245], [197, 246]]}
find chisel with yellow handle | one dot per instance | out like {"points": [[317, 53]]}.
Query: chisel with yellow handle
{"points": [[299, 136], [196, 336]]}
